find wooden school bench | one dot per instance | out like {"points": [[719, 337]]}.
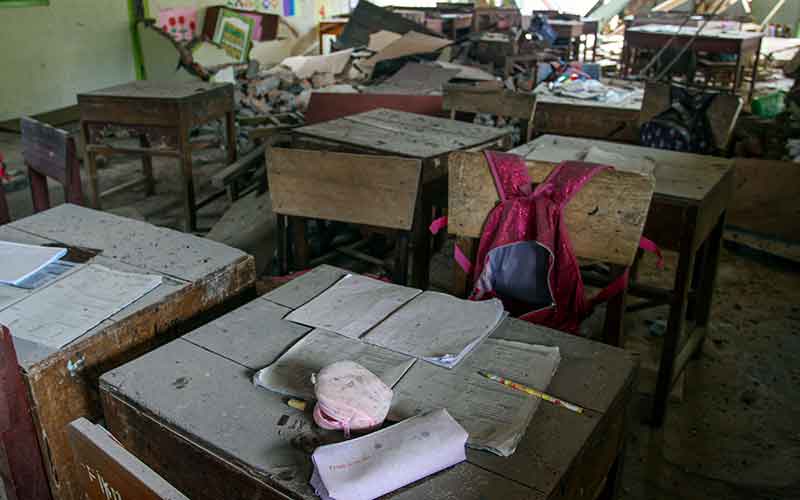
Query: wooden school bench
{"points": [[315, 179], [691, 198], [190, 411], [199, 276], [161, 115]]}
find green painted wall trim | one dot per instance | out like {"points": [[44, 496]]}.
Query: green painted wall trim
{"points": [[24, 3], [136, 42]]}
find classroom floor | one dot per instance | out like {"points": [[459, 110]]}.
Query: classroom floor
{"points": [[730, 433]]}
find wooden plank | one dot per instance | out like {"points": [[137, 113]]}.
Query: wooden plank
{"points": [[765, 198], [579, 120], [257, 323], [722, 116], [225, 176], [605, 219], [45, 149], [109, 471], [137, 243], [374, 190], [680, 177], [305, 287], [501, 103]]}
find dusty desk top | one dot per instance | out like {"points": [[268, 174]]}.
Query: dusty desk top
{"points": [[685, 177], [159, 90], [125, 245], [200, 388], [688, 31], [630, 101], [401, 133]]}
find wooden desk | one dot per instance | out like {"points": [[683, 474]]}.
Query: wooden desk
{"points": [[199, 275], [407, 135], [618, 122], [687, 214], [656, 36], [161, 114], [189, 410]]}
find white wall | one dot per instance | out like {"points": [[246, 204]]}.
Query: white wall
{"points": [[51, 53]]}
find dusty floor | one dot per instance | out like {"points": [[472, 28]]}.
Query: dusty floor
{"points": [[734, 432]]}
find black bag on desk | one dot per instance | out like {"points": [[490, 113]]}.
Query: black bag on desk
{"points": [[683, 127]]}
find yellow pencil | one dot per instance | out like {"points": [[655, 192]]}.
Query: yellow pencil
{"points": [[531, 391]]}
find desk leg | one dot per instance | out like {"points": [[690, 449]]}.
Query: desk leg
{"points": [[707, 282], [189, 209], [401, 258], [282, 242], [91, 166], [755, 72], [420, 271], [301, 254], [230, 136], [462, 283], [623, 69], [613, 328], [147, 167], [677, 317]]}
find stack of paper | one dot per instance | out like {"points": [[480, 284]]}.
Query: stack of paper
{"points": [[63, 311], [21, 261], [436, 327], [381, 462]]}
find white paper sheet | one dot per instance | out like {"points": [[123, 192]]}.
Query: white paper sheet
{"points": [[437, 327], [353, 305], [60, 313], [494, 415], [383, 461], [18, 261], [291, 373]]}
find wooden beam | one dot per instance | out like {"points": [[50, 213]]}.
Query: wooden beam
{"points": [[668, 5], [771, 14]]}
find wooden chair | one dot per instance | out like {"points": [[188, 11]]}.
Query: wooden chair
{"points": [[50, 152], [377, 191], [499, 102], [110, 472], [605, 220], [722, 114], [21, 465]]}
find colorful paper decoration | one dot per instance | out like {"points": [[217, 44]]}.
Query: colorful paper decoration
{"points": [[179, 23]]}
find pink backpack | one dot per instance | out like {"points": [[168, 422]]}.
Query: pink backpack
{"points": [[525, 257]]}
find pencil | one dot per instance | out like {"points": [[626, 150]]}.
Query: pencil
{"points": [[531, 391]]}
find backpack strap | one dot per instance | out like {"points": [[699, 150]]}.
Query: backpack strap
{"points": [[510, 174], [621, 283]]}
